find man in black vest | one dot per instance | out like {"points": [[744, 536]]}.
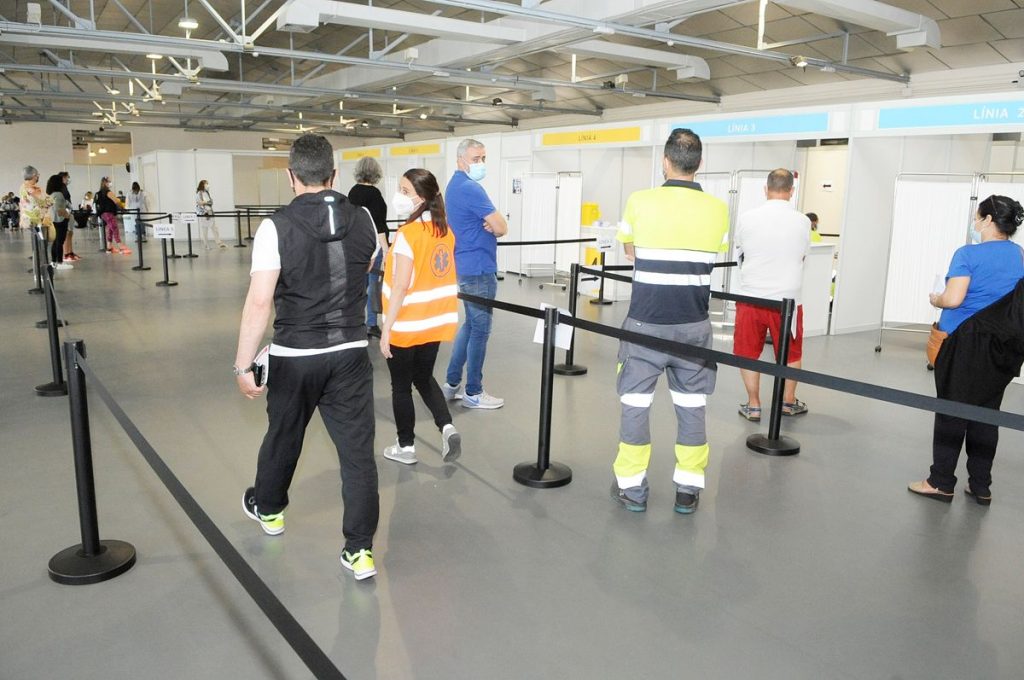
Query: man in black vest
{"points": [[309, 264]]}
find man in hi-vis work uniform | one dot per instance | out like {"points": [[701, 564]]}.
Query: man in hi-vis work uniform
{"points": [[673, 233]]}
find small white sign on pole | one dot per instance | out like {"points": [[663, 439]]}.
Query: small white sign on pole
{"points": [[188, 218], [163, 231], [563, 332]]}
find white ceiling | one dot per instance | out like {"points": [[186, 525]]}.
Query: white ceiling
{"points": [[266, 87]]}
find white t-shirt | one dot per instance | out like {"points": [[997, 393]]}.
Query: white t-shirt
{"points": [[771, 243]]}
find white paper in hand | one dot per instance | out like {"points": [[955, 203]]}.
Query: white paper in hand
{"points": [[563, 332]]}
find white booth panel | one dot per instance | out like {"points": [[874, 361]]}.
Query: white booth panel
{"points": [[817, 288]]}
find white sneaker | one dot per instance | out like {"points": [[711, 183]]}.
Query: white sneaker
{"points": [[450, 392], [482, 400], [401, 454], [63, 265], [451, 443]]}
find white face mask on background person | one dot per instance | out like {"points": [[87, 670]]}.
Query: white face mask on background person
{"points": [[477, 171], [402, 204]]}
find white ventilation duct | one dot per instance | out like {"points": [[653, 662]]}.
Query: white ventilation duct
{"points": [[910, 28], [305, 16]]}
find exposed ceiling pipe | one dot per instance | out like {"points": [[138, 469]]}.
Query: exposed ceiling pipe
{"points": [[608, 27]]}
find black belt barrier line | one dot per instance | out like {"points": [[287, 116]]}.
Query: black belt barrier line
{"points": [[57, 387], [546, 243], [758, 302], [296, 636], [891, 395], [629, 267]]}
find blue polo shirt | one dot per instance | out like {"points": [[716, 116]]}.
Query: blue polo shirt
{"points": [[476, 249], [994, 267]]}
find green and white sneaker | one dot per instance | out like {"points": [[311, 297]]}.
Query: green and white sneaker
{"points": [[360, 563], [272, 524]]}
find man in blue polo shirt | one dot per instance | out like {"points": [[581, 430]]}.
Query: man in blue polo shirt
{"points": [[477, 226]]}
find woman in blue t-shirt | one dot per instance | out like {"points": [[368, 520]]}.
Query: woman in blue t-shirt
{"points": [[979, 275]]}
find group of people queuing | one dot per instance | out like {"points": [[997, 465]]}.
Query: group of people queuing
{"points": [[318, 264]]}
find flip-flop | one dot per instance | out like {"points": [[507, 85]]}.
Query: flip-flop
{"points": [[751, 413]]}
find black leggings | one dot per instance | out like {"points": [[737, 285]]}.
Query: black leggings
{"points": [[949, 436], [57, 247], [415, 366]]}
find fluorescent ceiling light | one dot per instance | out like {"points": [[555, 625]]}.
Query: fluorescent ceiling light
{"points": [[92, 154], [103, 149], [188, 23], [154, 56], [798, 61]]}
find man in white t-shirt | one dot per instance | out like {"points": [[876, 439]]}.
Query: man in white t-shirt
{"points": [[771, 244]]}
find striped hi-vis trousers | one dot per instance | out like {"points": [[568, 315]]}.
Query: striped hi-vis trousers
{"points": [[689, 381]]}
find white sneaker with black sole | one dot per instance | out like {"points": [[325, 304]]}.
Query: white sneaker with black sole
{"points": [[401, 454], [451, 443]]}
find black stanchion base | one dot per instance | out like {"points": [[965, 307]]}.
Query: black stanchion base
{"points": [[72, 568], [500, 277], [167, 283], [570, 369], [45, 324], [240, 245], [529, 474], [137, 268], [52, 389], [190, 255], [174, 257], [34, 291], [601, 301], [249, 238], [783, 446]]}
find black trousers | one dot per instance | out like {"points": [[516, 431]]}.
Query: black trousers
{"points": [[57, 247], [340, 385], [415, 366], [948, 438]]}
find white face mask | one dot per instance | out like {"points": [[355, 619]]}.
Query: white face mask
{"points": [[403, 205]]}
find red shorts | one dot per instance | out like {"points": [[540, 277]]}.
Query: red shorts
{"points": [[753, 322]]}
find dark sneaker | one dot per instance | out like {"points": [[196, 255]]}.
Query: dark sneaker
{"points": [[373, 331], [687, 502], [272, 524], [633, 498]]}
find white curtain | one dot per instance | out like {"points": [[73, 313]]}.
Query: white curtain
{"points": [[930, 221]]}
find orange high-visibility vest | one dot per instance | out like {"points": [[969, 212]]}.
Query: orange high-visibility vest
{"points": [[429, 311]]}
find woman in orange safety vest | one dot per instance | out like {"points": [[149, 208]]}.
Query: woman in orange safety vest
{"points": [[420, 310]]}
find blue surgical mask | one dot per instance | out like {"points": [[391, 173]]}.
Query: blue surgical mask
{"points": [[975, 235], [477, 171]]}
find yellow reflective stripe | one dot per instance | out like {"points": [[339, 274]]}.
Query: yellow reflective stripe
{"points": [[632, 460], [690, 463]]}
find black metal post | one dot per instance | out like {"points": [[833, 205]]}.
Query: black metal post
{"points": [[93, 560], [37, 265], [46, 275], [140, 267], [56, 388], [166, 282], [569, 367], [248, 224], [599, 300], [173, 255], [238, 229], [776, 444], [188, 229], [544, 474]]}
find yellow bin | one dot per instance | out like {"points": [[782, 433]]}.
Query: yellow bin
{"points": [[590, 213]]}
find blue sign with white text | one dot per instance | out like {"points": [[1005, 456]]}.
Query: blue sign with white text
{"points": [[763, 125], [992, 113]]}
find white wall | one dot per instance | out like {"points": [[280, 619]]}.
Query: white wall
{"points": [[47, 146]]}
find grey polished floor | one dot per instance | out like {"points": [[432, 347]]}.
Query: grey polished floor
{"points": [[814, 566]]}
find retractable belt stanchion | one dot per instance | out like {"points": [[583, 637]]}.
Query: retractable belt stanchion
{"points": [[570, 368], [248, 225], [238, 229], [544, 474], [56, 388], [46, 275], [103, 232], [167, 283], [141, 266], [93, 560], [174, 255], [776, 444], [188, 231], [600, 300], [37, 266]]}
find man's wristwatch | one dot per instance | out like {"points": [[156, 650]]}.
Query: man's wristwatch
{"points": [[242, 371]]}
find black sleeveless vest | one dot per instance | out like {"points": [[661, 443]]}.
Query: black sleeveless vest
{"points": [[325, 245]]}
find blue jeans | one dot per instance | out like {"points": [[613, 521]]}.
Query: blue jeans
{"points": [[373, 285], [471, 342]]}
